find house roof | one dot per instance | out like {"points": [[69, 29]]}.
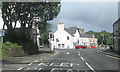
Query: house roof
{"points": [[86, 35], [116, 21], [71, 30]]}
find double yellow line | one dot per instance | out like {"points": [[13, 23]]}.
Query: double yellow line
{"points": [[113, 57]]}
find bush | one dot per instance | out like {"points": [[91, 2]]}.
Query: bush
{"points": [[6, 48], [10, 45]]}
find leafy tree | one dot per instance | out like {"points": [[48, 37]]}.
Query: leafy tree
{"points": [[107, 37], [27, 13]]}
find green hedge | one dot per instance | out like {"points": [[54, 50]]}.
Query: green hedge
{"points": [[6, 46]]}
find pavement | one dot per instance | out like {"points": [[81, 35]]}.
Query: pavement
{"points": [[67, 60], [110, 52]]}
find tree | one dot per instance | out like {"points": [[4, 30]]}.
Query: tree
{"points": [[27, 13], [107, 37]]}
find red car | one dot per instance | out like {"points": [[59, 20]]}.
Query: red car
{"points": [[92, 46], [80, 46]]}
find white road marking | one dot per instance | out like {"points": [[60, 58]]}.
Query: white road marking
{"points": [[71, 64], [36, 61], [82, 58], [51, 64], [61, 64], [27, 69], [44, 57], [69, 70], [20, 68], [67, 53], [30, 63], [35, 68], [40, 64], [77, 64], [79, 54], [41, 59], [89, 66], [39, 69]]}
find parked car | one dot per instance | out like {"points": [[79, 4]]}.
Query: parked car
{"points": [[93, 47], [83, 47], [41, 46], [80, 46]]}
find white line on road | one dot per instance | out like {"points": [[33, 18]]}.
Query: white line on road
{"points": [[61, 64], [20, 68], [44, 57], [89, 66], [41, 59], [36, 61], [40, 64], [27, 69], [79, 54], [51, 64], [39, 69], [71, 64], [67, 53], [82, 58], [30, 63], [35, 68], [77, 64]]}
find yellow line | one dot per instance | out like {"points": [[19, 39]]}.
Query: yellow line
{"points": [[112, 57], [56, 52]]}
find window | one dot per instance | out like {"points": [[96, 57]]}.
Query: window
{"points": [[59, 45], [67, 37], [63, 45]]}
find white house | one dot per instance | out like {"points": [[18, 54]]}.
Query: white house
{"points": [[65, 38], [68, 38]]}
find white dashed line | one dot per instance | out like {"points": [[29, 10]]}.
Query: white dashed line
{"points": [[30, 64], [61, 64], [36, 61], [39, 69], [40, 64], [27, 69], [79, 54], [41, 59], [89, 66], [77, 64], [71, 64], [51, 64], [44, 57], [67, 53], [20, 68], [82, 58]]}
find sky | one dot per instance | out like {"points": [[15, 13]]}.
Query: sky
{"points": [[95, 16]]}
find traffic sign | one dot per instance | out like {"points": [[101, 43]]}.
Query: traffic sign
{"points": [[2, 32]]}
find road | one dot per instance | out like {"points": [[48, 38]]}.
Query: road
{"points": [[72, 60]]}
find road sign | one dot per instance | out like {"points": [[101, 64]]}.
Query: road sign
{"points": [[2, 32]]}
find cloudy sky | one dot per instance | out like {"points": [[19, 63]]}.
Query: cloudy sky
{"points": [[95, 16]]}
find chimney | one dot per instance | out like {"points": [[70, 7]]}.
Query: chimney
{"points": [[61, 26], [80, 30]]}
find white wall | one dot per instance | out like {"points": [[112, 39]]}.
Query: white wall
{"points": [[62, 37]]}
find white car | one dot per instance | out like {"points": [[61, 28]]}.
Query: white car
{"points": [[41, 46]]}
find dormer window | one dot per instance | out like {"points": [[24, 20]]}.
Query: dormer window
{"points": [[67, 37]]}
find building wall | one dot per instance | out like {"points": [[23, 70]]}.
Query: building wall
{"points": [[118, 9], [62, 35], [116, 29]]}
